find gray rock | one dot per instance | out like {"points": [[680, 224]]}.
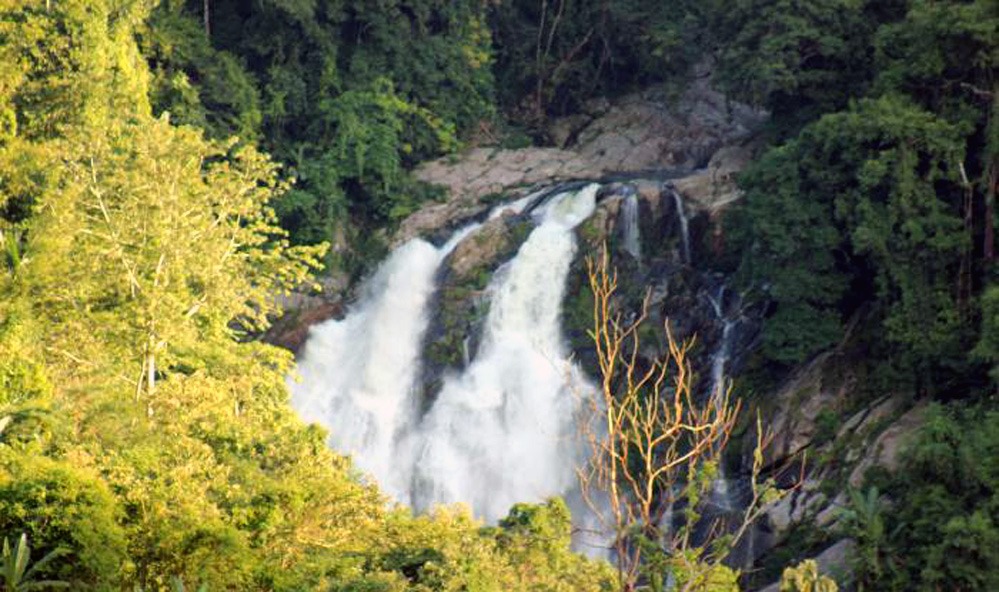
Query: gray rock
{"points": [[637, 133], [886, 448], [799, 404]]}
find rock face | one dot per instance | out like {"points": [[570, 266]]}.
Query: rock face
{"points": [[817, 422], [460, 304], [806, 407], [644, 134], [713, 187], [292, 329]]}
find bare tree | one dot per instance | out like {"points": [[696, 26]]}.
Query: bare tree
{"points": [[656, 445]]}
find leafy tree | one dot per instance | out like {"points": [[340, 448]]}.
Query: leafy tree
{"points": [[987, 348], [537, 539], [552, 56], [351, 96], [62, 506], [197, 84], [868, 199], [120, 229], [799, 59]]}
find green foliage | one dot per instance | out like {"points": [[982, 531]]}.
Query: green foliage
{"points": [[864, 521], [537, 539], [553, 56], [16, 574], [805, 577], [799, 59], [349, 95], [987, 348], [862, 204], [62, 504], [197, 84], [140, 430], [942, 529], [876, 207], [369, 145]]}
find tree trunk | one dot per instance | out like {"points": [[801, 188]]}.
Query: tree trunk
{"points": [[208, 21], [989, 248]]}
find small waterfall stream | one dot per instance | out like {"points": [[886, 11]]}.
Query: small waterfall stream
{"points": [[681, 215], [721, 495], [630, 228]]}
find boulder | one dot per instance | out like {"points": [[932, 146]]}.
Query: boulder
{"points": [[497, 239], [460, 304], [714, 187], [292, 329], [796, 506]]}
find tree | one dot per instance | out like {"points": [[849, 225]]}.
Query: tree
{"points": [[863, 206], [655, 448], [166, 243], [798, 59]]}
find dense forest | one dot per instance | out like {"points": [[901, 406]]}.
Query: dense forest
{"points": [[168, 168]]}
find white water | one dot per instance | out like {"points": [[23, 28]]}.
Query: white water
{"points": [[630, 231], [358, 374], [719, 389], [719, 360], [501, 432], [681, 214]]}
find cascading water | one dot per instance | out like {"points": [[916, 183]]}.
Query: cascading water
{"points": [[722, 495], [501, 432], [630, 229], [721, 355], [357, 374], [681, 215]]}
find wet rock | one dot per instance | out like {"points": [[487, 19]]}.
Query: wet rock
{"points": [[460, 304], [498, 238], [714, 187]]}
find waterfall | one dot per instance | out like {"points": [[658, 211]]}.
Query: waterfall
{"points": [[720, 357], [630, 229], [722, 496], [681, 215], [358, 374], [502, 431]]}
